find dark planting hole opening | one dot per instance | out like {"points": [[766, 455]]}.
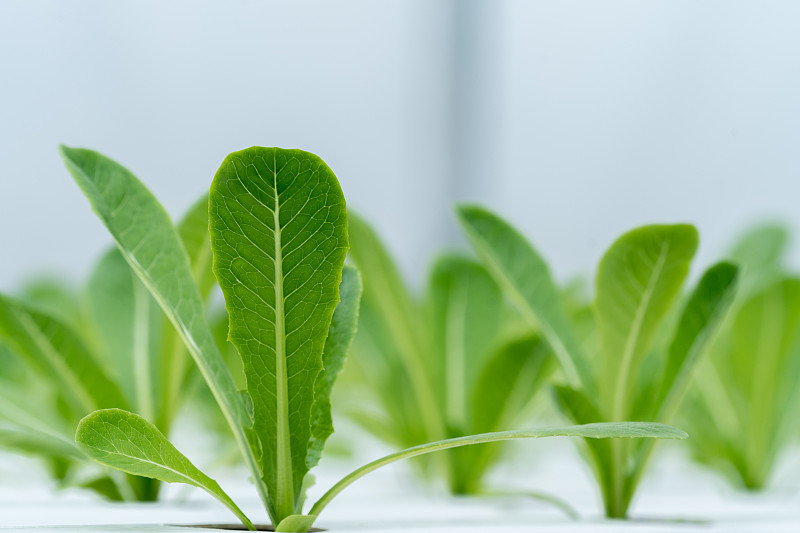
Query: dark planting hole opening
{"points": [[233, 527]]}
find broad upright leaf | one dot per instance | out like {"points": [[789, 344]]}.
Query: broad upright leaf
{"points": [[764, 368], [663, 385], [32, 426], [743, 404], [194, 234], [383, 285], [127, 324], [525, 277], [466, 307], [59, 352], [340, 336], [150, 244], [31, 442], [128, 442], [397, 317], [701, 318], [760, 254], [279, 236], [375, 360], [508, 382], [506, 387], [56, 298], [637, 281]]}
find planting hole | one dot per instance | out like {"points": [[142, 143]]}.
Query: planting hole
{"points": [[234, 527]]}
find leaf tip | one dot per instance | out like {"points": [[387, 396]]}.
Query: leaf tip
{"points": [[65, 152], [466, 210]]}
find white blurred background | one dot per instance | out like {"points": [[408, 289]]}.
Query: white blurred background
{"points": [[576, 120]]}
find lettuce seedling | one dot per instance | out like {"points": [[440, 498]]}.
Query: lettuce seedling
{"points": [[637, 365], [455, 362], [111, 348], [743, 403], [279, 238]]}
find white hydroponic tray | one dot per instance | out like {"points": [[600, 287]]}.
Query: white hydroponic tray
{"points": [[675, 497]]}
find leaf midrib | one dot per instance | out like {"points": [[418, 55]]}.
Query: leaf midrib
{"points": [[74, 385], [568, 366], [621, 389], [285, 482]]}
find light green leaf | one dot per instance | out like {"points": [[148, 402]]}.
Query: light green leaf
{"points": [[507, 385], [397, 318], [706, 309], [704, 312], [466, 306], [279, 236], [385, 405], [525, 278], [29, 425], [28, 441], [60, 354], [337, 345], [196, 239], [508, 382], [637, 281], [760, 254], [764, 369], [54, 297], [151, 245], [127, 323], [129, 443]]}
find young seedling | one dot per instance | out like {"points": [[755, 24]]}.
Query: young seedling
{"points": [[111, 348], [279, 238], [456, 363], [638, 364], [743, 402]]}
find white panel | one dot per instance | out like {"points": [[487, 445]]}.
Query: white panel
{"points": [[624, 113], [169, 88]]}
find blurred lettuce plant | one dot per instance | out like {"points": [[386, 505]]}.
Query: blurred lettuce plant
{"points": [[637, 364], [456, 362], [67, 355], [742, 406]]}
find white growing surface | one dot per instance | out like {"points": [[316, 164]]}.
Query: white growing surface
{"points": [[390, 500]]}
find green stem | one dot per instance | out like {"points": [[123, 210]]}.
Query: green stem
{"points": [[601, 430], [225, 500], [617, 508]]}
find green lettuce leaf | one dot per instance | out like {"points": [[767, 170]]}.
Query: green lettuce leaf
{"points": [[279, 237]]}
